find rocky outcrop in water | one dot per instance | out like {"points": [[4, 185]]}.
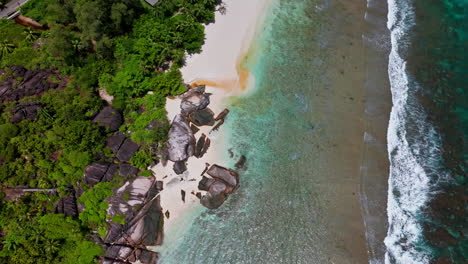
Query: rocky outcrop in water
{"points": [[110, 118], [181, 143], [223, 182], [137, 204], [27, 110], [18, 83]]}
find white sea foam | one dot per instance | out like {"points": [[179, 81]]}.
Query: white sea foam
{"points": [[413, 147]]}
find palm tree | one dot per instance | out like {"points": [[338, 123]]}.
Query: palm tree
{"points": [[77, 45], [6, 48], [30, 34]]}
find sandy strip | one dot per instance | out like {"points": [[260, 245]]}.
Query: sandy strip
{"points": [[228, 41]]}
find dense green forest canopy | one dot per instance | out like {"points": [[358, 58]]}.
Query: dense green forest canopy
{"points": [[132, 50]]}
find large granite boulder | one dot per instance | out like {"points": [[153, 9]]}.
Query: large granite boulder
{"points": [[67, 205], [110, 118], [127, 150], [179, 167], [138, 202], [27, 110], [222, 183], [115, 141], [204, 117], [226, 175], [95, 172], [205, 183], [181, 143], [194, 99], [105, 171], [213, 201], [20, 82], [123, 147]]}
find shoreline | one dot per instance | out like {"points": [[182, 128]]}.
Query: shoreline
{"points": [[375, 162], [219, 67]]}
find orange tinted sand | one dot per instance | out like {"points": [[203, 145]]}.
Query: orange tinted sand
{"points": [[243, 76]]}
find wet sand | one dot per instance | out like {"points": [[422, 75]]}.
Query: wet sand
{"points": [[352, 104]]}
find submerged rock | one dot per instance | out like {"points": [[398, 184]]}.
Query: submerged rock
{"points": [[181, 143], [240, 164]]}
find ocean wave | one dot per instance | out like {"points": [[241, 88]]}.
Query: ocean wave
{"points": [[413, 147]]}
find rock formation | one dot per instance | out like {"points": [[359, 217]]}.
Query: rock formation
{"points": [[180, 167], [27, 110], [123, 147], [20, 82], [204, 117], [222, 183], [181, 143], [104, 172], [138, 202], [194, 99], [110, 118], [67, 205]]}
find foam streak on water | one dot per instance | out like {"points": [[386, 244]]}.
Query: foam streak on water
{"points": [[413, 146]]}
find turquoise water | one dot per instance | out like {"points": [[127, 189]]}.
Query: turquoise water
{"points": [[278, 213]]}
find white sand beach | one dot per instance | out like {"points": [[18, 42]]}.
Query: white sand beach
{"points": [[227, 42]]}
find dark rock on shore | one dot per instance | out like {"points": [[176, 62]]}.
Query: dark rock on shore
{"points": [[109, 118], [194, 99], [222, 183], [23, 83], [213, 201], [181, 143], [27, 110], [200, 145], [179, 167], [227, 175], [222, 115], [194, 129], [205, 183], [204, 117]]}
